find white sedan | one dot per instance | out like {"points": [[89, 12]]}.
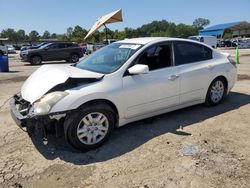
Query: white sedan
{"points": [[121, 83]]}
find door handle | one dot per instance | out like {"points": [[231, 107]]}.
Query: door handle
{"points": [[173, 77]]}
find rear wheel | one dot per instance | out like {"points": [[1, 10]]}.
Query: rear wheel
{"points": [[90, 127], [74, 58], [216, 92], [36, 60]]}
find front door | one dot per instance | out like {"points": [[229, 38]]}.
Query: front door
{"points": [[157, 90]]}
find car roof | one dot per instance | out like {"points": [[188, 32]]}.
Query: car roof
{"points": [[203, 36], [146, 40]]}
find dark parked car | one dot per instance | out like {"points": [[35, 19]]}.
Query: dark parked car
{"points": [[226, 43], [52, 52], [33, 46]]}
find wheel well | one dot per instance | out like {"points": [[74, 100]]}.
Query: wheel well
{"points": [[75, 54], [104, 101], [224, 79], [36, 55]]}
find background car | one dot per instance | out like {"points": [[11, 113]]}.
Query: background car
{"points": [[11, 49], [33, 46], [52, 52], [227, 43], [83, 46], [209, 40], [3, 49]]}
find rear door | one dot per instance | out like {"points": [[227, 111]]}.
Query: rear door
{"points": [[68, 50], [63, 51], [194, 62]]}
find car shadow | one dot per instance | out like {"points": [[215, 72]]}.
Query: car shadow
{"points": [[10, 71], [131, 136]]}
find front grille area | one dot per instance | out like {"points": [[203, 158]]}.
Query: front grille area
{"points": [[22, 105]]}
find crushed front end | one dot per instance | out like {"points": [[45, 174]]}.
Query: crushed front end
{"points": [[22, 113]]}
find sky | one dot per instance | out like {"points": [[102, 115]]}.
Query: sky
{"points": [[57, 15]]}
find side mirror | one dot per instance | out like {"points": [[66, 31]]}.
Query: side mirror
{"points": [[138, 69]]}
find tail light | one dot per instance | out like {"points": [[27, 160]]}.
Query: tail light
{"points": [[232, 61]]}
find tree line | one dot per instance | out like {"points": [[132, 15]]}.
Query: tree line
{"points": [[161, 28]]}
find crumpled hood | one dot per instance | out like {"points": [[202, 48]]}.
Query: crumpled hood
{"points": [[49, 76]]}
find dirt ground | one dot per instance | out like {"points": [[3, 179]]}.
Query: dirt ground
{"points": [[194, 147]]}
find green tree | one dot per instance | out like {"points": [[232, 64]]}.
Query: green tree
{"points": [[78, 34], [200, 23], [21, 35], [69, 32], [9, 33], [46, 34], [53, 36], [33, 36]]}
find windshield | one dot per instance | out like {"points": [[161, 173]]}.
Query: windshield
{"points": [[109, 58]]}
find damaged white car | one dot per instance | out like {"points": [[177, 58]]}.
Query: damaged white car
{"points": [[121, 83]]}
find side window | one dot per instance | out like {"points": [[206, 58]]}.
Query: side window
{"points": [[188, 52], [61, 45], [156, 57], [53, 46], [69, 45]]}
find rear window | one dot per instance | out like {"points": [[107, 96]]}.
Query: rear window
{"points": [[188, 52]]}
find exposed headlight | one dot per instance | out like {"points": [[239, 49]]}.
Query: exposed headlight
{"points": [[45, 103]]}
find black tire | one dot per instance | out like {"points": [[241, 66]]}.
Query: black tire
{"points": [[72, 123], [74, 58], [36, 60], [210, 99]]}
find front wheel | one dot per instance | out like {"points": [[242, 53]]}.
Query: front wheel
{"points": [[36, 60], [90, 127], [216, 92]]}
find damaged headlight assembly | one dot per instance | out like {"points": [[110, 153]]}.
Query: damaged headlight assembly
{"points": [[43, 105]]}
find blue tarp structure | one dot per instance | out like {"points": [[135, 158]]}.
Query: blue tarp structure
{"points": [[217, 30]]}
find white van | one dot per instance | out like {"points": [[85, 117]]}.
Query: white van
{"points": [[209, 40]]}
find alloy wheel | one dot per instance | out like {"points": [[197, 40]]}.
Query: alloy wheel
{"points": [[92, 128], [217, 91]]}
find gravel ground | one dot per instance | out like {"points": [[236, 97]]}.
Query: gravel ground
{"points": [[194, 147]]}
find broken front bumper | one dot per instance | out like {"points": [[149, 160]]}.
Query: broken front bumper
{"points": [[21, 120], [20, 112]]}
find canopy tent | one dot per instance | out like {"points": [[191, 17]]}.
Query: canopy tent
{"points": [[112, 17], [238, 29], [217, 30], [242, 29]]}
